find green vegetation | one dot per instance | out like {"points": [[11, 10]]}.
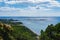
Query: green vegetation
{"points": [[10, 30], [52, 32]]}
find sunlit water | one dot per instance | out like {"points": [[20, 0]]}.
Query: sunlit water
{"points": [[36, 23]]}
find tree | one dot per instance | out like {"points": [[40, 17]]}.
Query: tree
{"points": [[52, 32], [5, 31]]}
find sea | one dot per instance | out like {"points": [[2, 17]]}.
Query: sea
{"points": [[36, 24]]}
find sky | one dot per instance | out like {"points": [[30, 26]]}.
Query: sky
{"points": [[32, 8]]}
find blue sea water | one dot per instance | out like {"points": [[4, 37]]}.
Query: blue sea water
{"points": [[36, 23]]}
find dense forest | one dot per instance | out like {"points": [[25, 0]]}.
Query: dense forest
{"points": [[52, 32]]}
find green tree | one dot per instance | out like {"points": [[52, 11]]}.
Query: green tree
{"points": [[6, 31], [52, 32]]}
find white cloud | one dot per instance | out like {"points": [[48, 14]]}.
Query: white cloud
{"points": [[37, 10], [52, 3], [14, 2], [1, 0], [7, 11]]}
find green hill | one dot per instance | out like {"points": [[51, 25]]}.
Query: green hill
{"points": [[10, 30], [52, 32]]}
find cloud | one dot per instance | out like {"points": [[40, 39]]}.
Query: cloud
{"points": [[55, 3], [29, 8], [8, 9], [33, 3], [32, 12], [1, 0]]}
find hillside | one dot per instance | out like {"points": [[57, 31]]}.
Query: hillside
{"points": [[18, 32], [52, 32]]}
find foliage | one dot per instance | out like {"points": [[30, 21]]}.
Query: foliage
{"points": [[10, 30], [52, 32], [5, 32]]}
